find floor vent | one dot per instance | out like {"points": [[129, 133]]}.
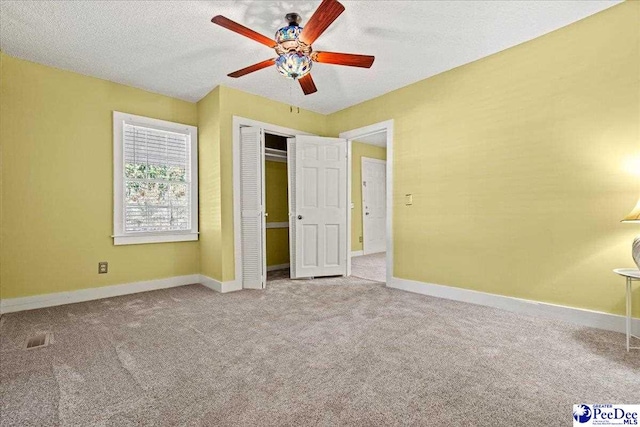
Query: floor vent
{"points": [[39, 341]]}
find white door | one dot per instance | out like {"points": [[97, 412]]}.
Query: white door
{"points": [[317, 206], [252, 205], [374, 196]]}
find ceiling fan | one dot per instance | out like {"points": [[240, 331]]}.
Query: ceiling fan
{"points": [[293, 46]]}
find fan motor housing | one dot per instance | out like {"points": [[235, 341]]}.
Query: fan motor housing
{"points": [[293, 18], [288, 38]]}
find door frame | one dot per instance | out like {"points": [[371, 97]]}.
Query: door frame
{"points": [[239, 122], [364, 160], [354, 134]]}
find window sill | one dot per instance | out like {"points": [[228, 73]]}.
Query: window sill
{"points": [[154, 238]]}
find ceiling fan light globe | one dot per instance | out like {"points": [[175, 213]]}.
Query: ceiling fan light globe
{"points": [[290, 33], [293, 65]]}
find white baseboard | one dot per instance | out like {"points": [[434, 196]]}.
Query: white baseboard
{"points": [[216, 285], [277, 267], [357, 253], [10, 305], [593, 319]]}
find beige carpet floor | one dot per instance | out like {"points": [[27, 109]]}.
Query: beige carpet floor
{"points": [[323, 352]]}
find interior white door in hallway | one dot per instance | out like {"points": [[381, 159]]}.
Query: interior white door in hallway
{"points": [[317, 206], [374, 208]]}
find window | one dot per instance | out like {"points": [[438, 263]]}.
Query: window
{"points": [[155, 180]]}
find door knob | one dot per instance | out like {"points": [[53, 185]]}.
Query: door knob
{"points": [[299, 216], [366, 213]]}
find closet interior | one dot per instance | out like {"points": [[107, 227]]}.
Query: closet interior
{"points": [[277, 207]]}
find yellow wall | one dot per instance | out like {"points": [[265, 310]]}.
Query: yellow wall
{"points": [[56, 225], [358, 151], [210, 224], [515, 163], [277, 246], [276, 183], [57, 175]]}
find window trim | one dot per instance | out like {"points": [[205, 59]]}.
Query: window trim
{"points": [[120, 236]]}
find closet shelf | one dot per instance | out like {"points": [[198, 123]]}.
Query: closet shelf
{"points": [[274, 154]]}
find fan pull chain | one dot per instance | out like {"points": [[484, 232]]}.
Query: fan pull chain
{"points": [[291, 84]]}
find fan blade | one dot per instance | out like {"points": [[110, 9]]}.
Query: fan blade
{"points": [[349, 59], [326, 13], [241, 29], [252, 68], [307, 84]]}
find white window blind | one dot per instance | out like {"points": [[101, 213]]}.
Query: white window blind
{"points": [[156, 179]]}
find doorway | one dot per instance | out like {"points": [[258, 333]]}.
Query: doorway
{"points": [[371, 239], [315, 190], [276, 206], [368, 225]]}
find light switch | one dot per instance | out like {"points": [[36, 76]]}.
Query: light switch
{"points": [[408, 199]]}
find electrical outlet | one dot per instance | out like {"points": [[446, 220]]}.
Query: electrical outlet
{"points": [[103, 267], [360, 239]]}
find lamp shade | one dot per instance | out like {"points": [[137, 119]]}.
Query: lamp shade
{"points": [[634, 215], [293, 65]]}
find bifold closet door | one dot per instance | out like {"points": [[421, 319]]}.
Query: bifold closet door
{"points": [[252, 205], [318, 206]]}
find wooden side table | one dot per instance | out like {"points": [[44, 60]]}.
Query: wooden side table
{"points": [[631, 275]]}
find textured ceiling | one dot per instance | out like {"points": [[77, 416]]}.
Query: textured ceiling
{"points": [[171, 47]]}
